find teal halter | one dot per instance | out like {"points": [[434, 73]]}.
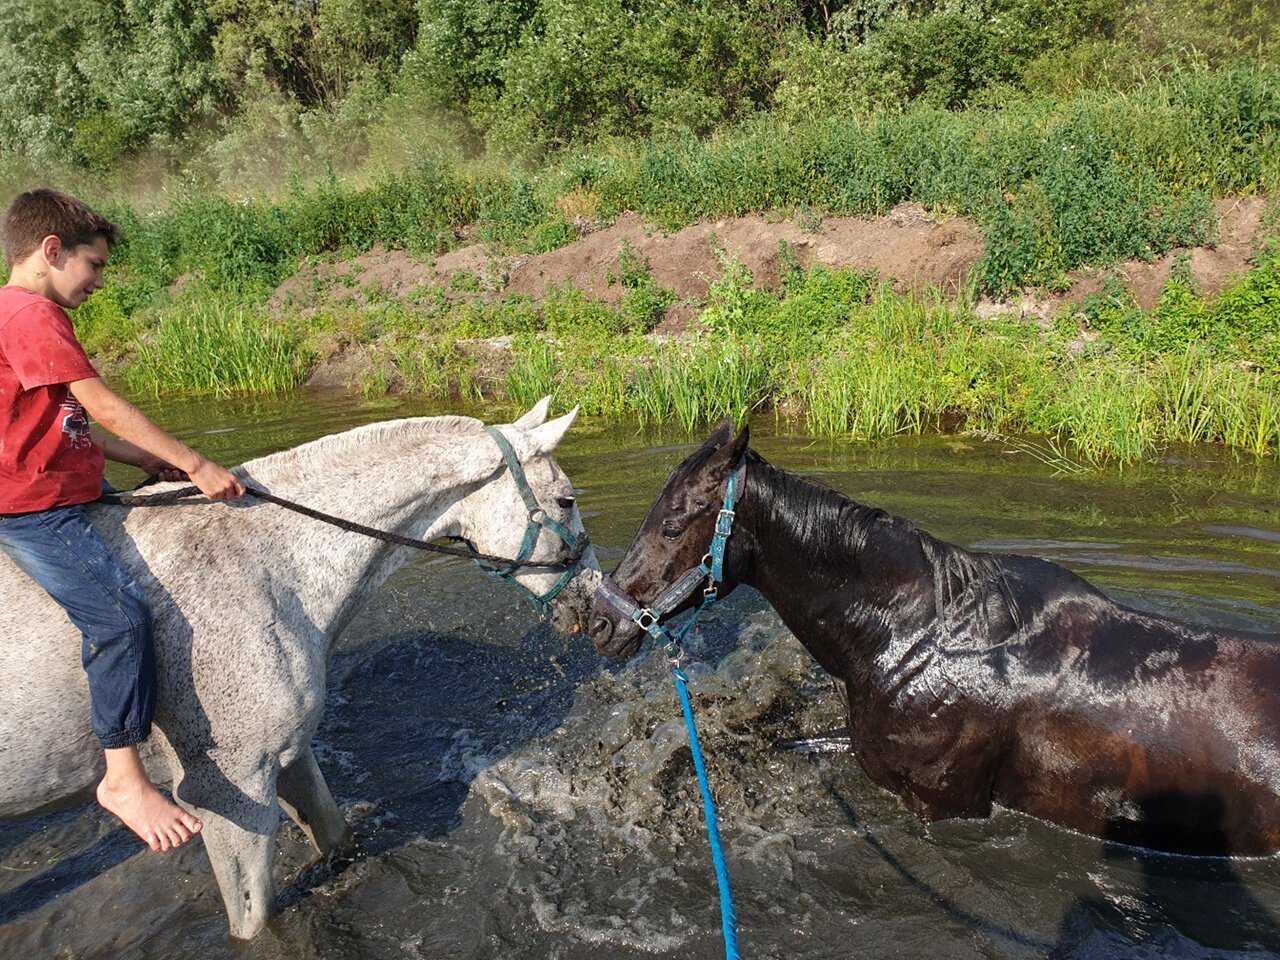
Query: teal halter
{"points": [[708, 574], [538, 520]]}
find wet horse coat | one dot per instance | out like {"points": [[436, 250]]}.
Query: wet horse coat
{"points": [[977, 679], [248, 599]]}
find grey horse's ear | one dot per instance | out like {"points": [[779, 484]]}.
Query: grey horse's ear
{"points": [[536, 416], [546, 437]]}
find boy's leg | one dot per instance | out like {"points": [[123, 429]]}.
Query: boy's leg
{"points": [[61, 551]]}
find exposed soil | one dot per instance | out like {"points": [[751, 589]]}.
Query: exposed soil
{"points": [[908, 247], [1241, 232]]}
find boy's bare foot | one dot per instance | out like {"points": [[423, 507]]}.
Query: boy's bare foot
{"points": [[126, 792]]}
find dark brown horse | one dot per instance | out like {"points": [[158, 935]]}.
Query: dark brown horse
{"points": [[978, 678]]}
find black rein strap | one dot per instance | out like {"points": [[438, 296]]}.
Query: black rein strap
{"points": [[184, 493]]}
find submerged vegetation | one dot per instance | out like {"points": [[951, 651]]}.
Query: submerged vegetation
{"points": [[1074, 133]]}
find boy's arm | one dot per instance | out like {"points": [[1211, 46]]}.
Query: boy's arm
{"points": [[122, 451], [131, 425]]}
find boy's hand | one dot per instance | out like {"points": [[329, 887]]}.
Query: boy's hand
{"points": [[215, 482], [162, 470], [143, 442]]}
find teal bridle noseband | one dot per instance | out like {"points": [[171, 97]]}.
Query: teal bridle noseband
{"points": [[538, 521]]}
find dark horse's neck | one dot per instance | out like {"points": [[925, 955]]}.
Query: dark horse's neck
{"points": [[847, 580]]}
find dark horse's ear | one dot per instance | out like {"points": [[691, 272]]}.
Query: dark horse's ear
{"points": [[720, 435], [728, 454]]}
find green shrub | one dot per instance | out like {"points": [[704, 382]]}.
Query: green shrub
{"points": [[1249, 312], [1181, 317], [551, 235], [645, 302], [567, 312], [481, 320], [735, 308]]}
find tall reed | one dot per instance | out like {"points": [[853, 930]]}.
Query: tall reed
{"points": [[218, 348], [534, 375]]}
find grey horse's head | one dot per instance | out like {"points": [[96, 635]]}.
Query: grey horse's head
{"points": [[498, 515]]}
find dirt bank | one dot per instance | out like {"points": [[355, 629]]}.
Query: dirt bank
{"points": [[908, 247]]}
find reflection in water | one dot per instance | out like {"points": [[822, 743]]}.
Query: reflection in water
{"points": [[515, 796]]}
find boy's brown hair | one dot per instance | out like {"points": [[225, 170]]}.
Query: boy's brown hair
{"points": [[41, 213]]}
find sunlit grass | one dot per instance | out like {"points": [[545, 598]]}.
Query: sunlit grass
{"points": [[848, 362], [534, 375], [215, 348]]}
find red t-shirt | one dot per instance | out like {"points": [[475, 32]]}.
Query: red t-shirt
{"points": [[47, 458]]}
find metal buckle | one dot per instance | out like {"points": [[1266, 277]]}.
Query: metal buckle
{"points": [[645, 618]]}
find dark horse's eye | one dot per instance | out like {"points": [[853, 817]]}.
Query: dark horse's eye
{"points": [[566, 502]]}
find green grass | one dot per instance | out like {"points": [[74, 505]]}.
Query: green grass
{"points": [[848, 357], [1054, 183], [701, 383], [215, 348]]}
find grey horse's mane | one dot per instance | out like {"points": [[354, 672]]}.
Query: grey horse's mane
{"points": [[331, 451]]}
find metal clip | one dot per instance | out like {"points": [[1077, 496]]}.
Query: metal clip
{"points": [[674, 652]]}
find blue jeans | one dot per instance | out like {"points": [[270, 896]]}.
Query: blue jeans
{"points": [[60, 550]]}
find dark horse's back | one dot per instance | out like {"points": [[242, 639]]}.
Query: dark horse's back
{"points": [[1137, 727]]}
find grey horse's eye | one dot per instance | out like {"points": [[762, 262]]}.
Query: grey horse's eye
{"points": [[566, 502]]}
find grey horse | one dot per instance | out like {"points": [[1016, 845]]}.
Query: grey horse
{"points": [[248, 599]]}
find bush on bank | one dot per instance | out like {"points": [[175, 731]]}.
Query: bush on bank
{"points": [[1054, 184], [229, 93], [872, 364]]}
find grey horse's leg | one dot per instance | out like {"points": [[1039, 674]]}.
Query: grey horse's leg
{"points": [[306, 798], [241, 819]]}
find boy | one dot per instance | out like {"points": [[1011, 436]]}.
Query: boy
{"points": [[51, 465]]}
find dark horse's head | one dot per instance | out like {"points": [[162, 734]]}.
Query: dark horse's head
{"points": [[673, 539]]}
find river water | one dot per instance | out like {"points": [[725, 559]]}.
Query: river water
{"points": [[516, 796]]}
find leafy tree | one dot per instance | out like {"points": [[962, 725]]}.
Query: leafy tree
{"points": [[945, 52], [462, 45], [86, 80], [587, 68], [313, 50]]}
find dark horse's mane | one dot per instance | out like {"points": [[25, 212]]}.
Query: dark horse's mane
{"points": [[835, 529]]}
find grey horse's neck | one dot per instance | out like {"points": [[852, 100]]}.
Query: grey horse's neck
{"points": [[403, 477]]}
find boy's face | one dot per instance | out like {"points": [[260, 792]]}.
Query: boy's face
{"points": [[76, 272]]}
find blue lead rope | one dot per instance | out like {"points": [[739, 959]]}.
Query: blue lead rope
{"points": [[728, 918], [712, 568], [709, 572]]}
